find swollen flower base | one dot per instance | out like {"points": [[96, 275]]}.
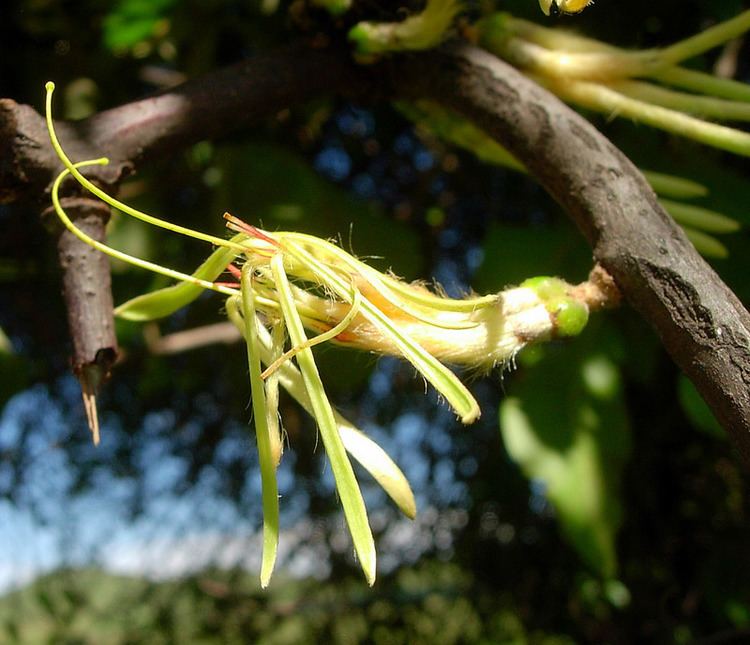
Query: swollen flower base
{"points": [[286, 284]]}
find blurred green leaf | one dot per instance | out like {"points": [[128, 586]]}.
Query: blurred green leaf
{"points": [[12, 631], [133, 21], [565, 424], [707, 245], [696, 409], [45, 600], [5, 345]]}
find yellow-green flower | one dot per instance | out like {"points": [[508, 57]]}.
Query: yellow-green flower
{"points": [[289, 284]]}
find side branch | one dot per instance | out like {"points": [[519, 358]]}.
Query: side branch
{"points": [[221, 102], [701, 323]]}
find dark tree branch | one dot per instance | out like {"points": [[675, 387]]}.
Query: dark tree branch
{"points": [[701, 323], [221, 102]]}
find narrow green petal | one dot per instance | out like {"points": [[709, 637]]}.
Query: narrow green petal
{"points": [[394, 290], [604, 99], [707, 39], [317, 340], [272, 393], [419, 31], [346, 482], [707, 107], [270, 493], [704, 83], [376, 461], [371, 456]]}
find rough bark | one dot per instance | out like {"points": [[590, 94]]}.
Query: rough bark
{"points": [[87, 290], [701, 323]]}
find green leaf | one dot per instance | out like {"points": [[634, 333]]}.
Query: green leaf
{"points": [[696, 409], [566, 426], [707, 245], [133, 21], [702, 219], [334, 7], [666, 185]]}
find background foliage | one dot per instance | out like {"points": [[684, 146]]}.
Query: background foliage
{"points": [[599, 504]]}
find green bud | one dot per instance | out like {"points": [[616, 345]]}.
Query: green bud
{"points": [[569, 315], [546, 287], [570, 318]]}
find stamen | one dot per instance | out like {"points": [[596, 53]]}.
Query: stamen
{"points": [[237, 225], [235, 271]]}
